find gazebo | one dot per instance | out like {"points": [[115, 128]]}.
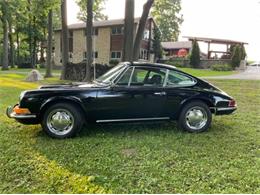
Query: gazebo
{"points": [[210, 41]]}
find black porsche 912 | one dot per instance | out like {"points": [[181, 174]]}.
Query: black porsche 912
{"points": [[128, 92]]}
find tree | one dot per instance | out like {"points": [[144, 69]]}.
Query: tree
{"points": [[157, 47], [236, 56], [139, 35], [89, 27], [195, 55], [243, 52], [64, 38], [4, 19], [167, 15], [49, 46], [129, 30], [97, 10]]}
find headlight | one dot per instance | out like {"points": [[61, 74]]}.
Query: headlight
{"points": [[22, 95]]}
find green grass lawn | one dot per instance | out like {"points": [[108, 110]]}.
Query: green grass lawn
{"points": [[206, 72], [27, 70], [134, 158]]}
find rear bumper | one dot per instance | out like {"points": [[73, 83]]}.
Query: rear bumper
{"points": [[225, 110], [22, 118]]}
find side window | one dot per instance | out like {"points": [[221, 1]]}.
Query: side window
{"points": [[148, 77], [176, 79], [138, 77], [124, 79]]}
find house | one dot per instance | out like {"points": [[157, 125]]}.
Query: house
{"points": [[171, 49], [108, 38]]}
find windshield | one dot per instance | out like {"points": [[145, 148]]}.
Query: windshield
{"points": [[109, 76]]}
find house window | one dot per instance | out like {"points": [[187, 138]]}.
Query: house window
{"points": [[117, 30], [70, 41], [116, 55], [94, 55], [94, 31], [146, 35], [143, 54]]}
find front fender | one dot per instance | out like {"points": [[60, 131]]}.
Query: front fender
{"points": [[71, 99]]}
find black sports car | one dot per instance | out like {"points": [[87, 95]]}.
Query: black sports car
{"points": [[128, 92]]}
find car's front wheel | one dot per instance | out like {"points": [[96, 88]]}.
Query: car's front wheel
{"points": [[62, 120], [195, 117]]}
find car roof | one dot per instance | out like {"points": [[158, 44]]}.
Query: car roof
{"points": [[149, 64]]}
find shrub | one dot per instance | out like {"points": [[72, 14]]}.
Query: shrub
{"points": [[222, 67], [175, 63], [236, 56], [25, 65], [114, 62], [195, 55]]}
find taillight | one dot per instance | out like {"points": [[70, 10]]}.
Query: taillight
{"points": [[232, 103]]}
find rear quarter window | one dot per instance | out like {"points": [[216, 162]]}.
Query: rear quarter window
{"points": [[177, 79]]}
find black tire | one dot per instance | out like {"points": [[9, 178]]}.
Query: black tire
{"points": [[76, 120], [188, 110]]}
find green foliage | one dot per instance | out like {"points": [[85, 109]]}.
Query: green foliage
{"points": [[195, 55], [97, 10], [157, 47], [236, 56], [133, 158], [28, 21], [176, 62], [238, 53], [167, 16], [243, 52], [114, 62], [221, 67]]}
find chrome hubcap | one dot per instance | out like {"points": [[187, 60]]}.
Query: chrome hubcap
{"points": [[196, 118], [60, 121]]}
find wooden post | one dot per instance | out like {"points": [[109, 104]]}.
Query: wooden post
{"points": [[208, 50]]}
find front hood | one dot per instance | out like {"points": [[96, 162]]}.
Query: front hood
{"points": [[74, 85]]}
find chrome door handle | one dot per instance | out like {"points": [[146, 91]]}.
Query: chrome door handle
{"points": [[160, 93]]}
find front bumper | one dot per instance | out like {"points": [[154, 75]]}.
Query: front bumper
{"points": [[11, 114], [225, 110], [27, 119]]}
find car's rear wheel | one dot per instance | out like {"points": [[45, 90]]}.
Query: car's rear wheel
{"points": [[195, 117], [62, 120]]}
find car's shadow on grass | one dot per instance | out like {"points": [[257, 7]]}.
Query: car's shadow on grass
{"points": [[113, 152]]}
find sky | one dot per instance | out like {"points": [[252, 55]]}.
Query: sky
{"points": [[228, 19]]}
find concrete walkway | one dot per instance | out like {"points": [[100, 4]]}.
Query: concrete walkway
{"points": [[251, 73]]}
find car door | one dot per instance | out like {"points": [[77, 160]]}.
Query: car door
{"points": [[138, 94]]}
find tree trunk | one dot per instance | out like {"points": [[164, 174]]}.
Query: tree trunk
{"points": [[49, 46], [34, 45], [89, 27], [30, 33], [64, 39], [11, 41], [5, 56], [129, 30], [18, 48], [141, 27]]}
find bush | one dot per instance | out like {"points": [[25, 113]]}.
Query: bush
{"points": [[222, 67], [25, 65], [114, 62], [77, 72], [236, 56], [174, 63], [195, 55]]}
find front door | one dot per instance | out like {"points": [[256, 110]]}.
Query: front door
{"points": [[137, 94]]}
